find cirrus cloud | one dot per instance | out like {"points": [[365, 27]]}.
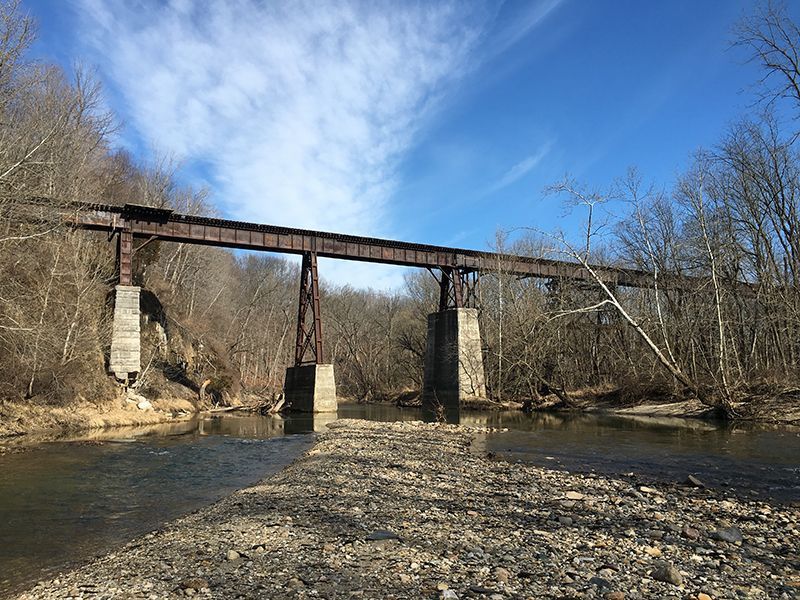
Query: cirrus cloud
{"points": [[298, 112]]}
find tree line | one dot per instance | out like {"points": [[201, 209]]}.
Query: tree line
{"points": [[730, 224]]}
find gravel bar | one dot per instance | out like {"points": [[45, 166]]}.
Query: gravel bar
{"points": [[413, 510]]}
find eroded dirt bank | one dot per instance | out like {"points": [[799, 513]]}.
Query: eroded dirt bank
{"points": [[29, 423], [407, 510]]}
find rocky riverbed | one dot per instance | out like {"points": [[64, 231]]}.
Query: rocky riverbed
{"points": [[412, 510]]}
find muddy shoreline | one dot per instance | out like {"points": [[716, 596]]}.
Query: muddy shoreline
{"points": [[771, 411], [408, 510], [23, 423]]}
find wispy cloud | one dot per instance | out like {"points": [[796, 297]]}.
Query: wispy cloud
{"points": [[299, 111], [522, 24], [519, 170]]}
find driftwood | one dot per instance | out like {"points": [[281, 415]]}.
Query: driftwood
{"points": [[227, 409], [277, 406], [202, 392]]}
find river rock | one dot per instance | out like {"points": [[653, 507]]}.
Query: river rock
{"points": [[144, 405], [501, 574], [194, 583], [131, 396], [381, 535], [614, 596], [574, 495], [600, 582], [695, 482], [690, 532], [668, 573], [233, 555], [652, 551], [731, 535]]}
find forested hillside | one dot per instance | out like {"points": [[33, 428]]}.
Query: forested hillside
{"points": [[211, 315]]}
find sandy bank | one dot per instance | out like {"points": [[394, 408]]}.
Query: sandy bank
{"points": [[407, 510], [29, 422]]}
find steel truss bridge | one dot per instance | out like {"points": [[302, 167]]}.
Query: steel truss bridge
{"points": [[460, 268]]}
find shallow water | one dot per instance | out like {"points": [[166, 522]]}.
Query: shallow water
{"points": [[64, 502], [757, 461], [761, 461]]}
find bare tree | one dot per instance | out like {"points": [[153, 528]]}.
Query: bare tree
{"points": [[773, 41]]}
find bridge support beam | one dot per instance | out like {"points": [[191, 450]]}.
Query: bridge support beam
{"points": [[125, 358], [310, 385], [453, 359], [310, 388], [454, 370]]}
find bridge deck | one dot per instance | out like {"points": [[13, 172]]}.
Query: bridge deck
{"points": [[167, 225]]}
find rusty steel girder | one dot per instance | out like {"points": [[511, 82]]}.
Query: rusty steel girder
{"points": [[458, 288], [124, 257], [309, 326], [166, 225]]}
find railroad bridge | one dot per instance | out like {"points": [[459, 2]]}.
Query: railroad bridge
{"points": [[454, 368]]}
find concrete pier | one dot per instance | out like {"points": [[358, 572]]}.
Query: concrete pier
{"points": [[125, 337], [310, 388], [453, 359]]}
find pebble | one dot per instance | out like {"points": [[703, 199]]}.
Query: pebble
{"points": [[694, 481], [728, 534], [233, 555], [382, 534], [668, 573], [652, 551], [194, 583], [501, 574], [600, 582], [690, 532]]}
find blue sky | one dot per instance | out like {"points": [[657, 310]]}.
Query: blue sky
{"points": [[431, 122]]}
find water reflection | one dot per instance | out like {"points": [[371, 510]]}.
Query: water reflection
{"points": [[63, 502], [307, 423]]}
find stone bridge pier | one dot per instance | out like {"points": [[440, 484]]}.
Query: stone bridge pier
{"points": [[454, 371], [125, 359], [453, 359]]}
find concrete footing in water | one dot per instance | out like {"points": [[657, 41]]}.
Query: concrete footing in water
{"points": [[453, 359], [310, 388], [125, 339]]}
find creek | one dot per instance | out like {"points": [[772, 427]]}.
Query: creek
{"points": [[65, 501]]}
